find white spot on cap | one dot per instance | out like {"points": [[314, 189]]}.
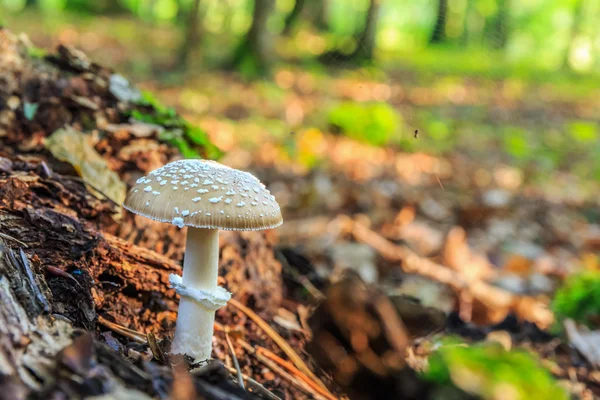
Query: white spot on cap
{"points": [[241, 204], [185, 212], [163, 183], [230, 193], [202, 191], [196, 199], [207, 182], [222, 212], [215, 200], [148, 188], [154, 192], [178, 222], [228, 201], [140, 180], [257, 190], [147, 203], [254, 203], [209, 214], [175, 188], [215, 187], [176, 210]]}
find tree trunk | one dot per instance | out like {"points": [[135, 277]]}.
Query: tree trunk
{"points": [[192, 34], [293, 17], [500, 25], [365, 47], [322, 20], [439, 30], [253, 53]]}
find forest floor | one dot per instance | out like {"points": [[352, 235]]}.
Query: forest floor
{"points": [[481, 214]]}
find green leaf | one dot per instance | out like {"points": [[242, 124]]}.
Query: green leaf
{"points": [[29, 110]]}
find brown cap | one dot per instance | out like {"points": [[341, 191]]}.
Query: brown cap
{"points": [[204, 194]]}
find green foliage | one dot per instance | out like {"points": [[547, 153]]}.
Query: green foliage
{"points": [[579, 299], [516, 143], [373, 123], [488, 370], [189, 139], [29, 110], [36, 52], [583, 132]]}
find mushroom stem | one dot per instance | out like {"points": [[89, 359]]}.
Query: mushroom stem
{"points": [[194, 330]]}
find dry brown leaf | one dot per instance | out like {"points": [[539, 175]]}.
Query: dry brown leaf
{"points": [[76, 148]]}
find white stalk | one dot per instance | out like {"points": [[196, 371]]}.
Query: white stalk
{"points": [[200, 295]]}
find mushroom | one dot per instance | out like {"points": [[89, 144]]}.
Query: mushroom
{"points": [[205, 196]]}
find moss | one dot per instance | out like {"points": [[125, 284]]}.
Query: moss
{"points": [[487, 369], [192, 141], [579, 299], [373, 123]]}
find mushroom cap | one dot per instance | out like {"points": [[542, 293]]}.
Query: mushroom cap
{"points": [[204, 194]]}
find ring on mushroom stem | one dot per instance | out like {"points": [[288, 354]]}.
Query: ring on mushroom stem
{"points": [[205, 196]]}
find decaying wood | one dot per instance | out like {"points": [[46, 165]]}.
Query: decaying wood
{"points": [[69, 273], [359, 338], [87, 267]]}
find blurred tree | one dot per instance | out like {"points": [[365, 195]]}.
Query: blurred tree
{"points": [[318, 13], [192, 35], [365, 42], [439, 30], [252, 55], [365, 47], [315, 11], [292, 18], [499, 25]]}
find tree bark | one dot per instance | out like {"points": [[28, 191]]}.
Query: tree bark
{"points": [[253, 53], [439, 30], [192, 34]]}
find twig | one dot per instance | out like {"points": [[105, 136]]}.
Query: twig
{"points": [[491, 296], [254, 385], [285, 347], [8, 237], [121, 330], [235, 360], [278, 370], [293, 370]]}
